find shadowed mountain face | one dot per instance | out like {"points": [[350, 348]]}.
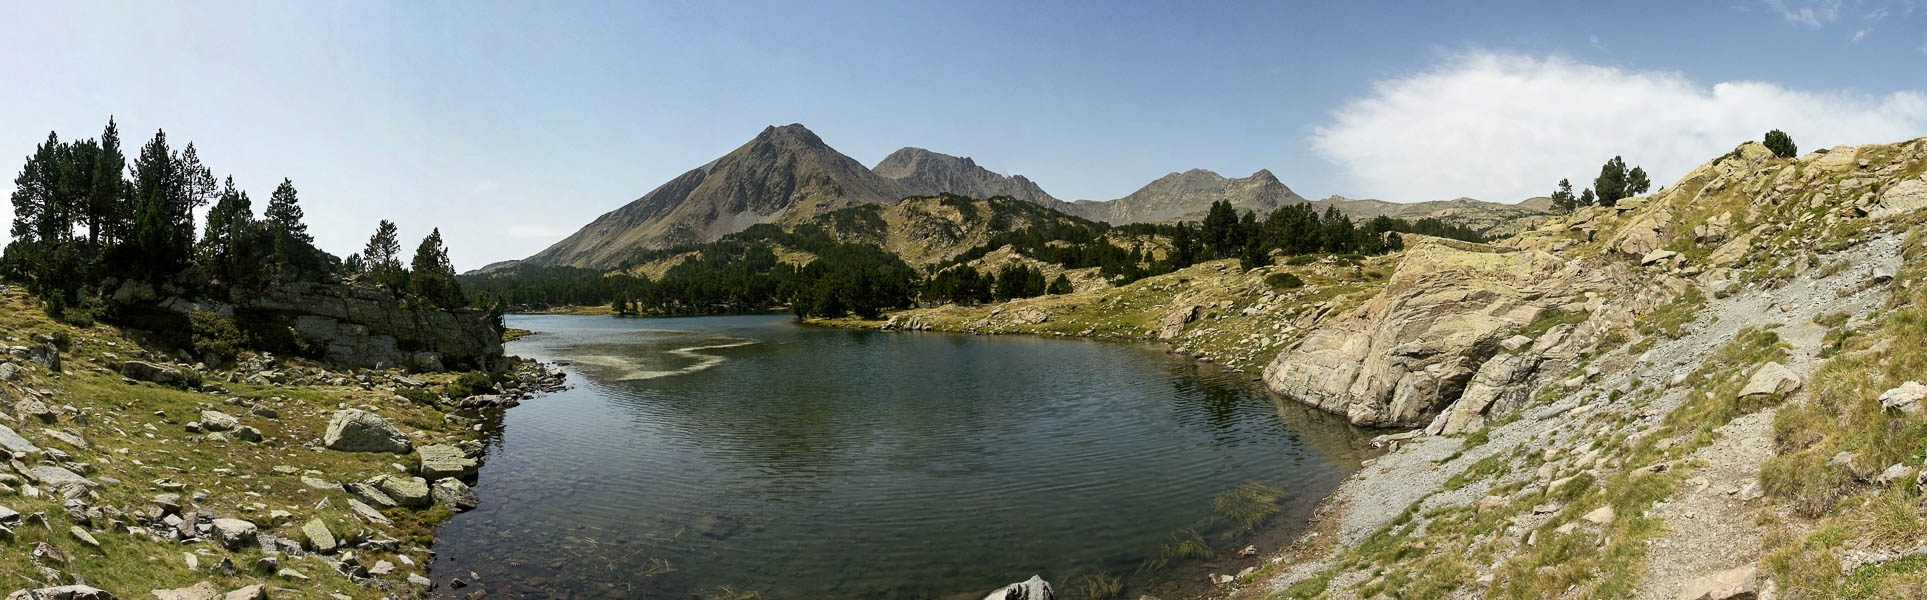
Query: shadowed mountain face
{"points": [[785, 176], [927, 173], [1188, 196]]}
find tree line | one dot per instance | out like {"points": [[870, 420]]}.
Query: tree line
{"points": [[85, 217]]}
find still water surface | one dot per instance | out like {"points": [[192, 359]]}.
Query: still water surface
{"points": [[705, 457]]}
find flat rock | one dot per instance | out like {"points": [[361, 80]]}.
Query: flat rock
{"points": [[407, 491], [1772, 378], [54, 476], [14, 444], [1906, 398], [63, 592], [442, 460], [85, 538], [1736, 584], [252, 592], [234, 532]]}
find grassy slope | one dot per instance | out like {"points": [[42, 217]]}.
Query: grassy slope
{"points": [[134, 434]]}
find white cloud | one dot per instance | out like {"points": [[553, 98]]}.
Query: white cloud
{"points": [[1811, 13], [1594, 38], [1859, 35], [1506, 127]]}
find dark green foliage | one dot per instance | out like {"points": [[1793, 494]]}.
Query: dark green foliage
{"points": [[1636, 182], [961, 285], [1781, 144], [382, 257], [469, 383], [1587, 198], [1059, 286], [215, 338], [1611, 182], [433, 277], [1562, 197], [1019, 281], [1283, 281]]}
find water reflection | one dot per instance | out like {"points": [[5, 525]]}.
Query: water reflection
{"points": [[798, 462]]}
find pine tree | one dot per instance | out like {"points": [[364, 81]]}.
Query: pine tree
{"points": [[293, 247], [227, 247], [1637, 183], [110, 216], [1781, 144], [1611, 183], [1587, 198], [1060, 285], [433, 277], [383, 257], [1562, 197]]}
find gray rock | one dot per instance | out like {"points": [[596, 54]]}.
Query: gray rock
{"points": [[29, 408], [214, 420], [252, 592], [1772, 378], [46, 354], [14, 444], [1034, 588], [456, 495], [410, 491], [1904, 398], [234, 533], [356, 430], [1742, 583], [86, 539], [248, 434], [57, 477], [442, 460], [372, 495], [319, 538], [147, 371]]}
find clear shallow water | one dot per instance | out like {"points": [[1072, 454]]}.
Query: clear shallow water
{"points": [[756, 455]]}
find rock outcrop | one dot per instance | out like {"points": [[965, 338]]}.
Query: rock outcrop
{"points": [[921, 171], [369, 327], [1400, 358]]}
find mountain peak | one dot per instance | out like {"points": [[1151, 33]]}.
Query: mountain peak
{"points": [[795, 132], [922, 171]]}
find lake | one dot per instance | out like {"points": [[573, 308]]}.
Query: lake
{"points": [[752, 456]]}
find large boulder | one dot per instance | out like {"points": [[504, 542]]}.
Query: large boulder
{"points": [[214, 420], [1499, 387], [1398, 359], [1904, 197], [1742, 583], [1034, 588], [356, 430]]}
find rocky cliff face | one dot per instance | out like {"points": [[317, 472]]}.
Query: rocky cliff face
{"points": [[1400, 358], [1188, 196], [927, 173], [368, 327], [785, 175]]}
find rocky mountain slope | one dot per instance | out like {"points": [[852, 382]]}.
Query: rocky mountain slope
{"points": [[785, 175], [1490, 218], [1188, 196], [927, 173]]}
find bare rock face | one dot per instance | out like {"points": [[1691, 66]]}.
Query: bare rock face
{"points": [[369, 327], [1403, 356], [1499, 387]]}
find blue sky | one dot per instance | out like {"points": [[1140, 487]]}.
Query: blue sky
{"points": [[509, 125]]}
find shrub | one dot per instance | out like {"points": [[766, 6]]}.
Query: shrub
{"points": [[1283, 281], [1781, 144], [1301, 260], [468, 384], [215, 339]]}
